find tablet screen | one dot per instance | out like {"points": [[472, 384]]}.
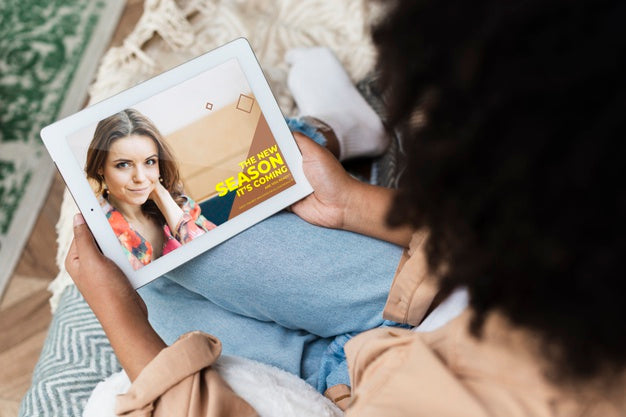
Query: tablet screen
{"points": [[173, 167]]}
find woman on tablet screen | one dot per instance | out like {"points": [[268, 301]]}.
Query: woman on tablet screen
{"points": [[140, 190]]}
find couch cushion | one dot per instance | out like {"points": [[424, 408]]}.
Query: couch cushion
{"points": [[75, 357]]}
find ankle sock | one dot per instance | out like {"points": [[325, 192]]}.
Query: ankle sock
{"points": [[322, 89]]}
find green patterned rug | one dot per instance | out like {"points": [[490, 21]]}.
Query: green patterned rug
{"points": [[49, 50]]}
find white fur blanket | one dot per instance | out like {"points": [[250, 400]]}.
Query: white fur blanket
{"points": [[271, 391]]}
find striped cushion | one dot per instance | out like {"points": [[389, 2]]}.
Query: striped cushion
{"points": [[75, 357]]}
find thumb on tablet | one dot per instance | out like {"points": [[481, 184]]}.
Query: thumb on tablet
{"points": [[85, 244]]}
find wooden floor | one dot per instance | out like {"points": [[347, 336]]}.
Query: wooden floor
{"points": [[24, 309]]}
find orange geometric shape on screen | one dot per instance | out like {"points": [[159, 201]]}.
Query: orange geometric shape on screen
{"points": [[245, 103]]}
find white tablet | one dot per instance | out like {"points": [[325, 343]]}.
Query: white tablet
{"points": [[179, 163]]}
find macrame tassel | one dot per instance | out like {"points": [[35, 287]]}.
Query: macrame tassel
{"points": [[169, 21]]}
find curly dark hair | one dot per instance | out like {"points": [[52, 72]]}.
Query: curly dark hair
{"points": [[512, 113]]}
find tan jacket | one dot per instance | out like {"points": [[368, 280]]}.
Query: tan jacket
{"points": [[179, 381], [448, 372], [393, 372]]}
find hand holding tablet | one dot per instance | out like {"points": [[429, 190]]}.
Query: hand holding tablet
{"points": [[176, 165]]}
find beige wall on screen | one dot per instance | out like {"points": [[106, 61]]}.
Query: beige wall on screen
{"points": [[209, 149]]}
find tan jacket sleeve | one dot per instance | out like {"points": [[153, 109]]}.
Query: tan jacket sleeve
{"points": [[179, 381], [395, 373], [413, 288]]}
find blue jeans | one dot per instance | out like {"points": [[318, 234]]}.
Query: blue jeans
{"points": [[283, 292]]}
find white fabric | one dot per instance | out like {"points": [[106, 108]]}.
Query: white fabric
{"points": [[322, 89], [449, 309], [271, 391], [173, 31]]}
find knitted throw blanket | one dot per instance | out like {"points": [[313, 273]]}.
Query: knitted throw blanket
{"points": [[171, 32]]}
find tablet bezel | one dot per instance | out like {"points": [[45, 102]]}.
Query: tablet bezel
{"points": [[55, 138]]}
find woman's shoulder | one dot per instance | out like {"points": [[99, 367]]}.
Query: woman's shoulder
{"points": [[499, 373]]}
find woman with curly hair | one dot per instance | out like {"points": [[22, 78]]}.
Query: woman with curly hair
{"points": [[512, 120]]}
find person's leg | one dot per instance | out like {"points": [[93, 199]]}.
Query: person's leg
{"points": [[173, 311], [303, 277], [294, 284], [327, 282]]}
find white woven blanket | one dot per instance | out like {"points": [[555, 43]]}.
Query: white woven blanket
{"points": [[171, 32]]}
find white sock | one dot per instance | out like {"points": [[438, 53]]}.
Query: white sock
{"points": [[322, 89]]}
